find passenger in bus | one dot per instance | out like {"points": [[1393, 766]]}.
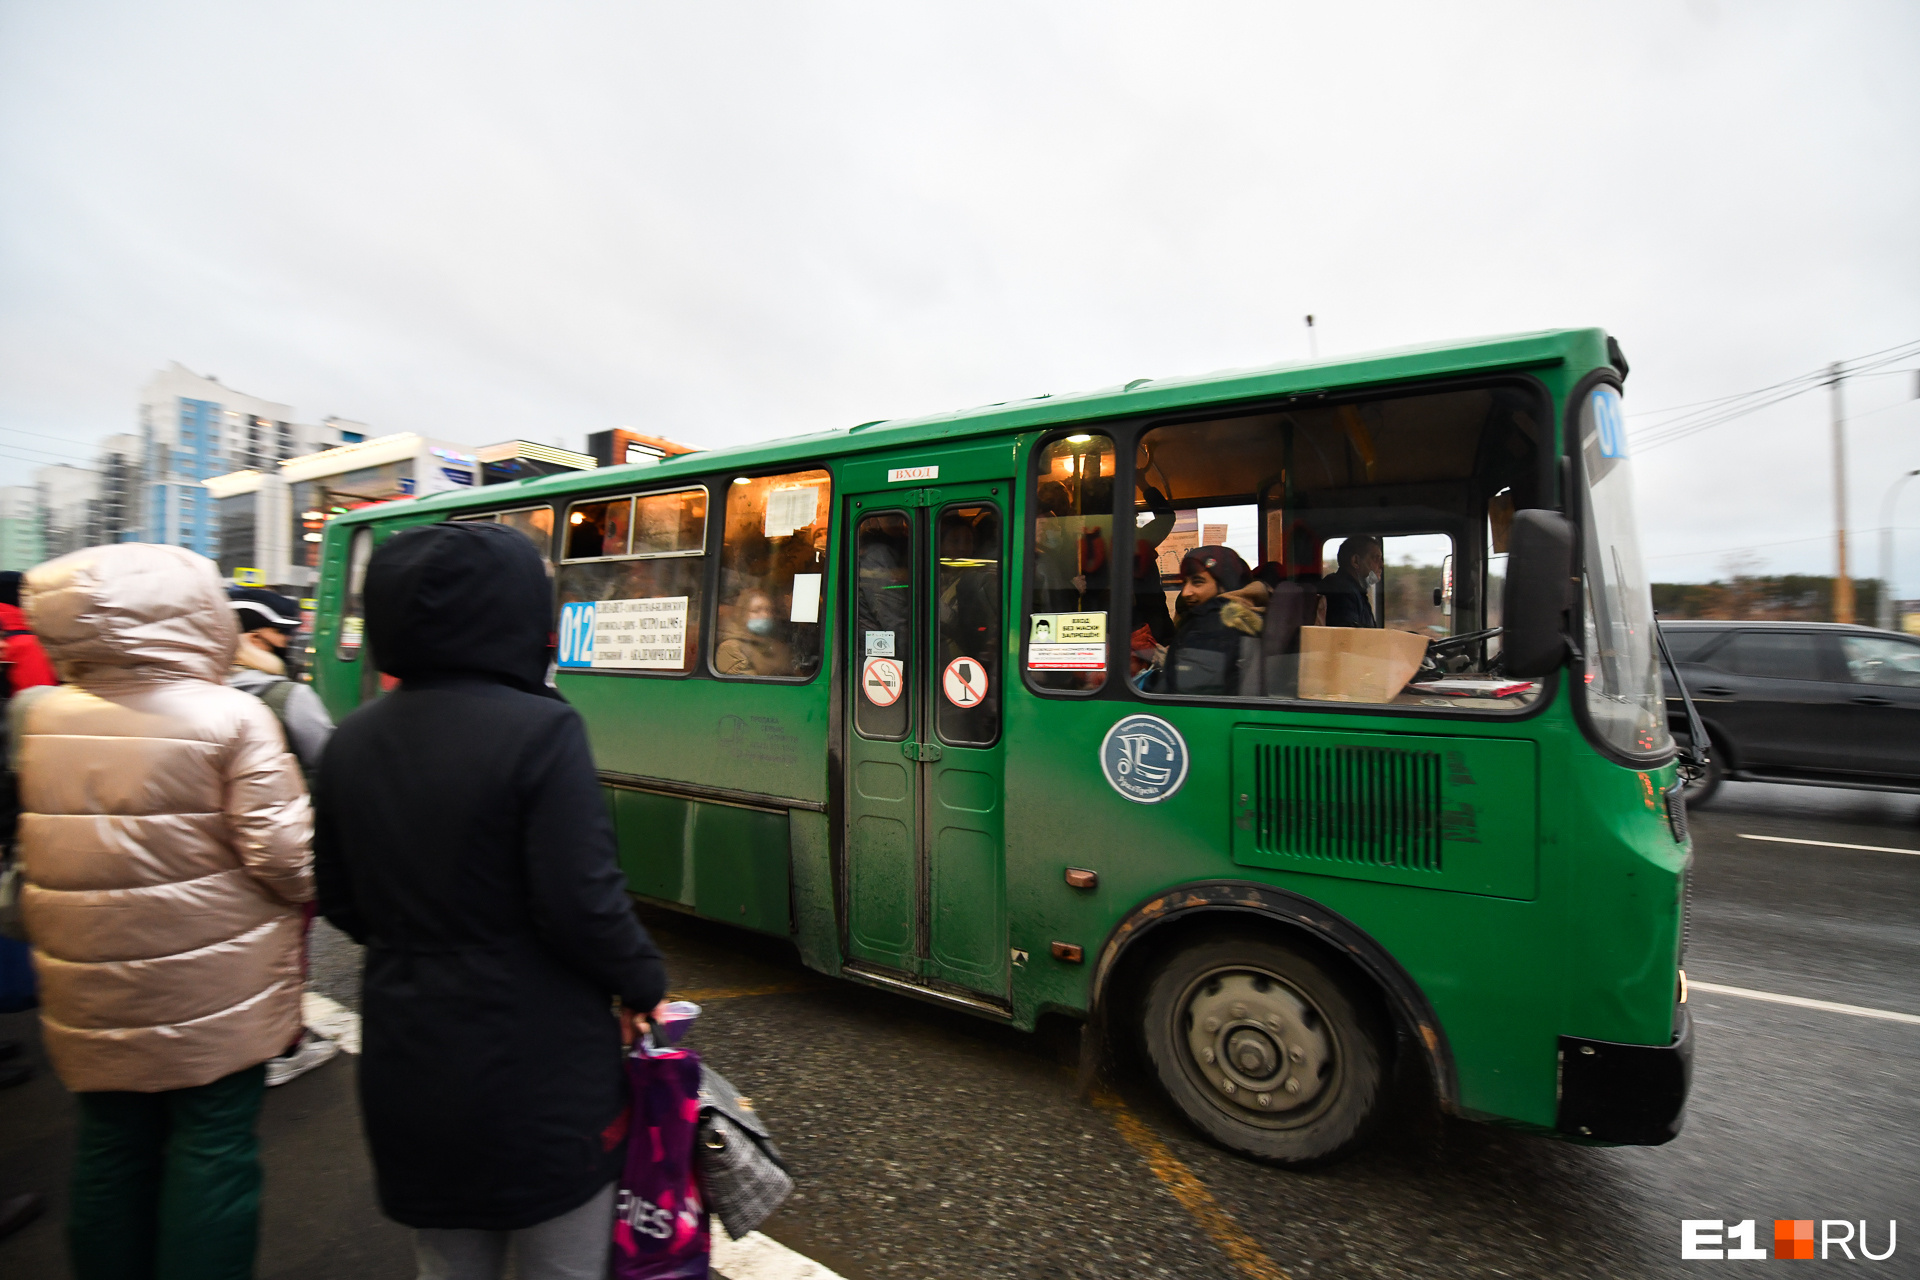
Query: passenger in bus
{"points": [[1209, 644], [1149, 597], [1349, 588], [462, 838], [750, 641]]}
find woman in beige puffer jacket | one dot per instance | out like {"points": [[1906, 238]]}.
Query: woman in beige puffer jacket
{"points": [[165, 834]]}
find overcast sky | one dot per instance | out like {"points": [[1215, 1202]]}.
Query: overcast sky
{"points": [[727, 222]]}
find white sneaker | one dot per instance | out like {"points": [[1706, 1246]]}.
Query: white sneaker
{"points": [[312, 1050]]}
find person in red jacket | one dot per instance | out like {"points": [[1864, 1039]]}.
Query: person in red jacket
{"points": [[26, 662], [26, 665]]}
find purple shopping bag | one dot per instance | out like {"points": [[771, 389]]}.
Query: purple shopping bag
{"points": [[660, 1227]]}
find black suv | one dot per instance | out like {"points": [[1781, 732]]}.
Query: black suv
{"points": [[1808, 702]]}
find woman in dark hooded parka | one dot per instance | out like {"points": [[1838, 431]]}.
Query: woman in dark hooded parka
{"points": [[462, 837]]}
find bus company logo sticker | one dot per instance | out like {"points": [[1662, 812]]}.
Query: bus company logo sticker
{"points": [[965, 683], [1144, 758], [881, 680], [1716, 1240], [896, 475]]}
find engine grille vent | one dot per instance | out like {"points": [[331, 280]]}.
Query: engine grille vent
{"points": [[1373, 806]]}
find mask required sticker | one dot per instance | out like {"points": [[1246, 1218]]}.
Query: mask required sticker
{"points": [[1067, 642]]}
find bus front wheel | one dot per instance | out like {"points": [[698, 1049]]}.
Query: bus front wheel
{"points": [[1264, 1050]]}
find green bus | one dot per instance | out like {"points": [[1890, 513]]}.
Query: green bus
{"points": [[950, 704]]}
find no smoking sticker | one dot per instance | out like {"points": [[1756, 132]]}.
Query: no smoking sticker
{"points": [[881, 679], [965, 682]]}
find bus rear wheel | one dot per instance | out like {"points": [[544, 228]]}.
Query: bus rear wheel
{"points": [[1264, 1050]]}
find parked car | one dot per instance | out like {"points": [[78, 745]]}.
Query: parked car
{"points": [[1813, 703]]}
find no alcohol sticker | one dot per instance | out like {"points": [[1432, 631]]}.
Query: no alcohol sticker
{"points": [[965, 682], [881, 680]]}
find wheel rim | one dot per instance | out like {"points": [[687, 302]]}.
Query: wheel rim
{"points": [[1258, 1047]]}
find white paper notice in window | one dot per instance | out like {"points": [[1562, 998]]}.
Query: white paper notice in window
{"points": [[790, 509], [641, 635], [806, 597]]}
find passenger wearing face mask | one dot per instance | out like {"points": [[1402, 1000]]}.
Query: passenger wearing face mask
{"points": [[1349, 588], [267, 621], [750, 643]]}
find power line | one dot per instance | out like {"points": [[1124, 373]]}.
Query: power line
{"points": [[1687, 420], [1757, 546]]}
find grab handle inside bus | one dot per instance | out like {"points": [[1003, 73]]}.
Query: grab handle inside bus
{"points": [[1539, 593]]}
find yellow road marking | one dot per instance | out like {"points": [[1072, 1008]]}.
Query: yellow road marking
{"points": [[1242, 1249], [711, 994]]}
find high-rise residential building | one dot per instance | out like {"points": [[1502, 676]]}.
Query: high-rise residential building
{"points": [[69, 499], [120, 489], [20, 547], [193, 428]]}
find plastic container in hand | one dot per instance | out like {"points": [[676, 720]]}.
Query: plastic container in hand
{"points": [[675, 1017]]}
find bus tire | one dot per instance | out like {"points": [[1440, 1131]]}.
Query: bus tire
{"points": [[1264, 1050]]}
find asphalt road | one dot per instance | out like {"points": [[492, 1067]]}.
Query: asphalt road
{"points": [[928, 1143]]}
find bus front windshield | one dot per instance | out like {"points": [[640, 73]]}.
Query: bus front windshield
{"points": [[1624, 698]]}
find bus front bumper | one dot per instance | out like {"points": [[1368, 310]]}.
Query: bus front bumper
{"points": [[1631, 1094]]}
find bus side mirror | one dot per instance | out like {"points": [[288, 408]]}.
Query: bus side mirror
{"points": [[1539, 594]]}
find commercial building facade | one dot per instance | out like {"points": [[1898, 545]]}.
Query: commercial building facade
{"points": [[270, 521]]}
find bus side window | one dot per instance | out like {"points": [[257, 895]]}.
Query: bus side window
{"points": [[536, 523], [773, 563], [1323, 552], [353, 614], [639, 562], [1069, 596]]}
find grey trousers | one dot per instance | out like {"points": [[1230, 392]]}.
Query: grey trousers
{"points": [[573, 1246]]}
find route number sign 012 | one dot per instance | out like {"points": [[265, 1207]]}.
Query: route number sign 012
{"points": [[882, 679]]}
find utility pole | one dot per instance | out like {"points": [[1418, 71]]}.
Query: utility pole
{"points": [[1886, 619], [1842, 584], [1313, 341]]}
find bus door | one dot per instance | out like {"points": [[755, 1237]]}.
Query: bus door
{"points": [[925, 872]]}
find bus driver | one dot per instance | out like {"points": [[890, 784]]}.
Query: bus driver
{"points": [[1349, 588]]}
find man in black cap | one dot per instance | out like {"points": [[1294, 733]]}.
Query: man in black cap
{"points": [[267, 622]]}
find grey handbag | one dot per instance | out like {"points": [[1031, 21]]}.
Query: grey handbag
{"points": [[741, 1169]]}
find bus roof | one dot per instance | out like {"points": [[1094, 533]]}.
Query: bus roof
{"points": [[1142, 395]]}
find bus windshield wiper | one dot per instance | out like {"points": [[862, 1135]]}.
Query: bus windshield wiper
{"points": [[1696, 736]]}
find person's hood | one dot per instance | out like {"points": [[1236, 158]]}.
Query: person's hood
{"points": [[1241, 616], [460, 598], [251, 680], [133, 607]]}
